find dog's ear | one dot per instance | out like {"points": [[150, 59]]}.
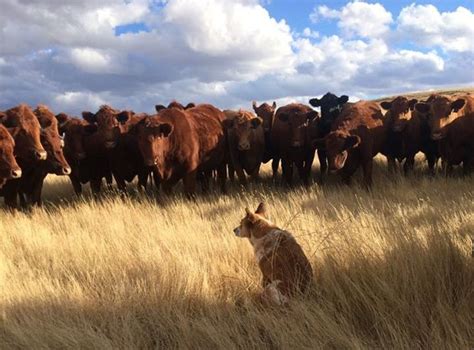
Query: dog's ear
{"points": [[250, 216], [262, 209]]}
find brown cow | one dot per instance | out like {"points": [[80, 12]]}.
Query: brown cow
{"points": [[289, 138], [9, 169], [408, 134], [85, 152], [455, 136], [31, 183], [246, 143], [179, 144], [110, 124], [267, 113], [356, 136], [26, 131], [175, 104]]}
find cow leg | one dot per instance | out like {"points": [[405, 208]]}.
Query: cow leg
{"points": [[204, 177], [241, 175], [323, 164], [287, 168], [142, 181], [231, 172], [409, 165], [467, 166], [76, 184], [392, 165], [121, 185], [222, 177], [255, 175], [275, 164], [96, 185], [308, 164], [431, 164], [108, 180], [189, 181], [367, 169], [349, 169]]}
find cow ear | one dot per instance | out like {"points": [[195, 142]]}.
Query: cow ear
{"points": [[7, 122], [319, 143], [311, 115], [62, 119], [315, 102], [412, 103], [165, 129], [256, 122], [3, 117], [261, 209], [343, 99], [458, 104], [159, 107], [90, 129], [45, 122], [190, 105], [386, 105], [274, 105], [352, 142], [228, 123], [422, 107], [89, 117], [254, 105], [124, 117], [283, 117]]}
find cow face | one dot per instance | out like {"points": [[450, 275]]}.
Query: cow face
{"points": [[9, 168], [266, 113], [337, 146], [297, 122], [441, 111], [152, 135], [243, 129], [25, 129], [51, 141], [331, 106], [74, 130], [110, 124], [400, 111]]}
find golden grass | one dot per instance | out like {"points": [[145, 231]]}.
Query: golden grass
{"points": [[393, 269], [423, 95]]}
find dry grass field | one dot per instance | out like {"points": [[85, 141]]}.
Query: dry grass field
{"points": [[393, 269]]}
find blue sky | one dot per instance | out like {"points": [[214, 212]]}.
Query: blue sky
{"points": [[134, 54]]}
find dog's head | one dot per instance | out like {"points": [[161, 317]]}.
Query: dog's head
{"points": [[253, 224]]}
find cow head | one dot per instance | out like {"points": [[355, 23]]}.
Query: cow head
{"points": [[151, 135], [331, 105], [243, 127], [337, 146], [9, 168], [110, 124], [297, 120], [52, 142], [25, 129], [441, 111], [401, 110], [74, 131], [266, 113]]}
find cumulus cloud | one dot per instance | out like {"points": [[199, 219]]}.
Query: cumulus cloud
{"points": [[66, 53], [425, 25]]}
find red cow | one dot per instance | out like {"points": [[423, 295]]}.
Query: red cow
{"points": [[9, 169], [289, 138], [356, 136], [180, 144]]}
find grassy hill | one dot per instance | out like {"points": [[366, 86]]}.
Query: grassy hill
{"points": [[393, 268]]}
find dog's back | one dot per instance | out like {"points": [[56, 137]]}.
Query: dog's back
{"points": [[283, 263]]}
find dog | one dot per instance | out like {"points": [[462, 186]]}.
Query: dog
{"points": [[285, 268]]}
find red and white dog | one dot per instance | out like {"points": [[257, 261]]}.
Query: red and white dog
{"points": [[285, 268]]}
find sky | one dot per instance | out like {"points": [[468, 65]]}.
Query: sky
{"points": [[76, 55]]}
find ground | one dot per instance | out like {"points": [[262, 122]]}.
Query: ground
{"points": [[393, 268]]}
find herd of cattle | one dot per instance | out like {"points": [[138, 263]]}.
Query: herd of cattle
{"points": [[196, 143]]}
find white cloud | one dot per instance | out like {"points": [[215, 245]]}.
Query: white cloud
{"points": [[425, 25], [66, 54], [357, 18]]}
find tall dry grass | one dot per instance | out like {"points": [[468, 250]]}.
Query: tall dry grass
{"points": [[393, 269]]}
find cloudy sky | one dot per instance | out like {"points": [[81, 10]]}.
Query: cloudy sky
{"points": [[78, 54]]}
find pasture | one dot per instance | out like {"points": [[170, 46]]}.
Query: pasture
{"points": [[393, 268]]}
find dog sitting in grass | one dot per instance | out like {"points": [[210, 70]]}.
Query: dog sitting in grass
{"points": [[285, 268]]}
